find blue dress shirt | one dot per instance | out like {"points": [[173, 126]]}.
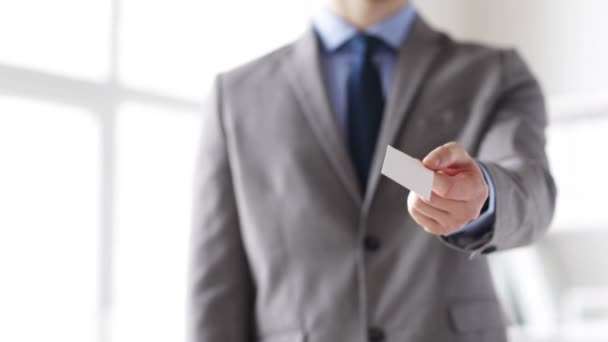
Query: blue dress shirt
{"points": [[334, 33]]}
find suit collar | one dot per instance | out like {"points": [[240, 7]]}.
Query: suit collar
{"points": [[334, 31]]}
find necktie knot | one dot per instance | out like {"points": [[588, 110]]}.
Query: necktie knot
{"points": [[364, 45]]}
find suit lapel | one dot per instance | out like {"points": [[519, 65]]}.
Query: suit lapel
{"points": [[414, 60], [304, 74]]}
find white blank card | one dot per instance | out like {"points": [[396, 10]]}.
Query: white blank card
{"points": [[408, 172]]}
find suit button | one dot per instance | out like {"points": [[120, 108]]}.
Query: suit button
{"points": [[489, 250], [376, 335], [371, 243]]}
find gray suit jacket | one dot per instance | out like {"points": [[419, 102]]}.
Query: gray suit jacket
{"points": [[278, 252]]}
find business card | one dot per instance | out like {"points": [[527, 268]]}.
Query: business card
{"points": [[408, 172]]}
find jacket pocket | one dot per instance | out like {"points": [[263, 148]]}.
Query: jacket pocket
{"points": [[478, 315], [283, 336]]}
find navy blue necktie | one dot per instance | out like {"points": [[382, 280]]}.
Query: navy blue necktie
{"points": [[365, 105]]}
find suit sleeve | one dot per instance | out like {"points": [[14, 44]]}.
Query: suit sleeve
{"points": [[220, 286], [513, 152]]}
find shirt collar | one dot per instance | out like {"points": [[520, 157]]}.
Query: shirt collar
{"points": [[334, 31]]}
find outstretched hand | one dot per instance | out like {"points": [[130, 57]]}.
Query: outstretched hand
{"points": [[459, 191]]}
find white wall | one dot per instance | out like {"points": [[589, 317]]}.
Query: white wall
{"points": [[565, 42]]}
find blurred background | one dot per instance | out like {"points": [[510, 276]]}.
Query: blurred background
{"points": [[99, 106]]}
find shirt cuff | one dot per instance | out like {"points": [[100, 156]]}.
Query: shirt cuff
{"points": [[485, 222]]}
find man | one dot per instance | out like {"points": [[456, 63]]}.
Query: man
{"points": [[297, 237]]}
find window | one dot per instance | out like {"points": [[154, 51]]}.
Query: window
{"points": [[70, 38], [49, 226], [155, 168], [99, 105]]}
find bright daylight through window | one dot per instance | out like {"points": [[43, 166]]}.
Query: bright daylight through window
{"points": [[99, 123]]}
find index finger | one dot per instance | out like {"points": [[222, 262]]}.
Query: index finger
{"points": [[447, 155]]}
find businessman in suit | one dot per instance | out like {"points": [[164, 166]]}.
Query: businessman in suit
{"points": [[296, 235]]}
